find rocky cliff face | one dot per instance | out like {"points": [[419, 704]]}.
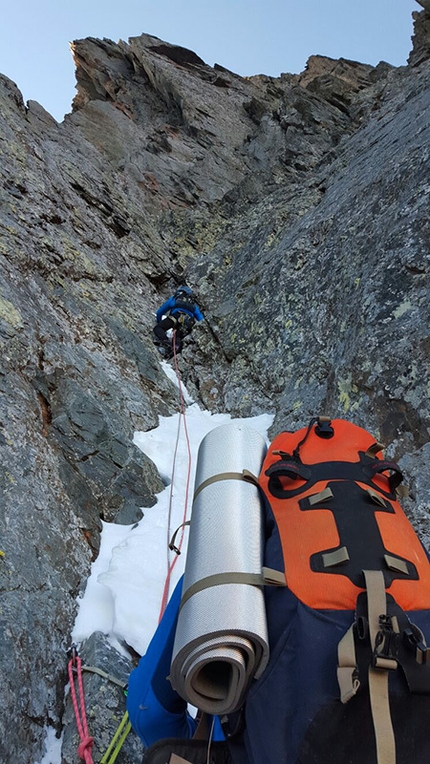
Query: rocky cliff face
{"points": [[298, 208]]}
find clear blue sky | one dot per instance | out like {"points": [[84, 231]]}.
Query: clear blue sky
{"points": [[246, 36]]}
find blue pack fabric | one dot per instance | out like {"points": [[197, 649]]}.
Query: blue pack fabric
{"points": [[326, 490], [156, 711], [293, 713]]}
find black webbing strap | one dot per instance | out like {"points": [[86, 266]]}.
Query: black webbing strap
{"points": [[289, 468], [378, 466], [362, 471]]}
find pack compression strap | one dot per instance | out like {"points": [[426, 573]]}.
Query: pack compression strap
{"points": [[245, 475], [267, 577]]}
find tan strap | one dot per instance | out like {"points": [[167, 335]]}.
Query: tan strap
{"points": [[267, 577], [272, 577], [324, 495], [376, 498], [385, 743], [378, 677], [245, 475], [422, 656], [202, 729], [402, 491], [335, 558], [374, 449], [105, 675], [172, 546], [249, 477], [395, 563], [376, 600], [347, 676]]}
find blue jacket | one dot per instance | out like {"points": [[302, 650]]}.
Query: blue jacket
{"points": [[156, 711], [171, 306]]}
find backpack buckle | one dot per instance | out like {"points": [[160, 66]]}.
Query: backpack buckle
{"points": [[387, 641], [413, 639], [324, 428]]}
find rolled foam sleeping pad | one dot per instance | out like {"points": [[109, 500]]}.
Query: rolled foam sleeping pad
{"points": [[221, 639]]}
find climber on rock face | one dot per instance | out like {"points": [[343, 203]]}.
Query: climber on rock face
{"points": [[179, 313]]}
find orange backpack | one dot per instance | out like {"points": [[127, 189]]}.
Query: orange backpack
{"points": [[335, 503], [347, 548]]}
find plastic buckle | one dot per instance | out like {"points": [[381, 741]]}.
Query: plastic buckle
{"points": [[385, 654], [323, 428], [414, 640], [362, 627]]}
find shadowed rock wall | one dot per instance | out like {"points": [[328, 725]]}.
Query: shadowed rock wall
{"points": [[297, 207]]}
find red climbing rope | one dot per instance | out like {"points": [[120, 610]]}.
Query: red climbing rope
{"points": [[86, 744], [182, 418]]}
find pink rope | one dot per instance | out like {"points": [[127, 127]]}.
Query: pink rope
{"points": [[86, 744], [182, 417]]}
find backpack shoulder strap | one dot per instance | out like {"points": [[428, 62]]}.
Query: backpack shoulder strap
{"points": [[378, 672], [380, 665]]}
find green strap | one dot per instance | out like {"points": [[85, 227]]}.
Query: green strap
{"points": [[117, 741]]}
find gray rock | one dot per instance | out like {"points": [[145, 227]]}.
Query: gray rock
{"points": [[296, 206], [105, 675]]}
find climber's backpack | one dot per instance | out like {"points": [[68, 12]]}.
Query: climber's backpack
{"points": [[184, 323], [348, 680], [184, 301]]}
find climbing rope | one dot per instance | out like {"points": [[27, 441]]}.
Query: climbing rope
{"points": [[75, 670], [117, 741], [124, 726], [75, 663], [177, 548]]}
